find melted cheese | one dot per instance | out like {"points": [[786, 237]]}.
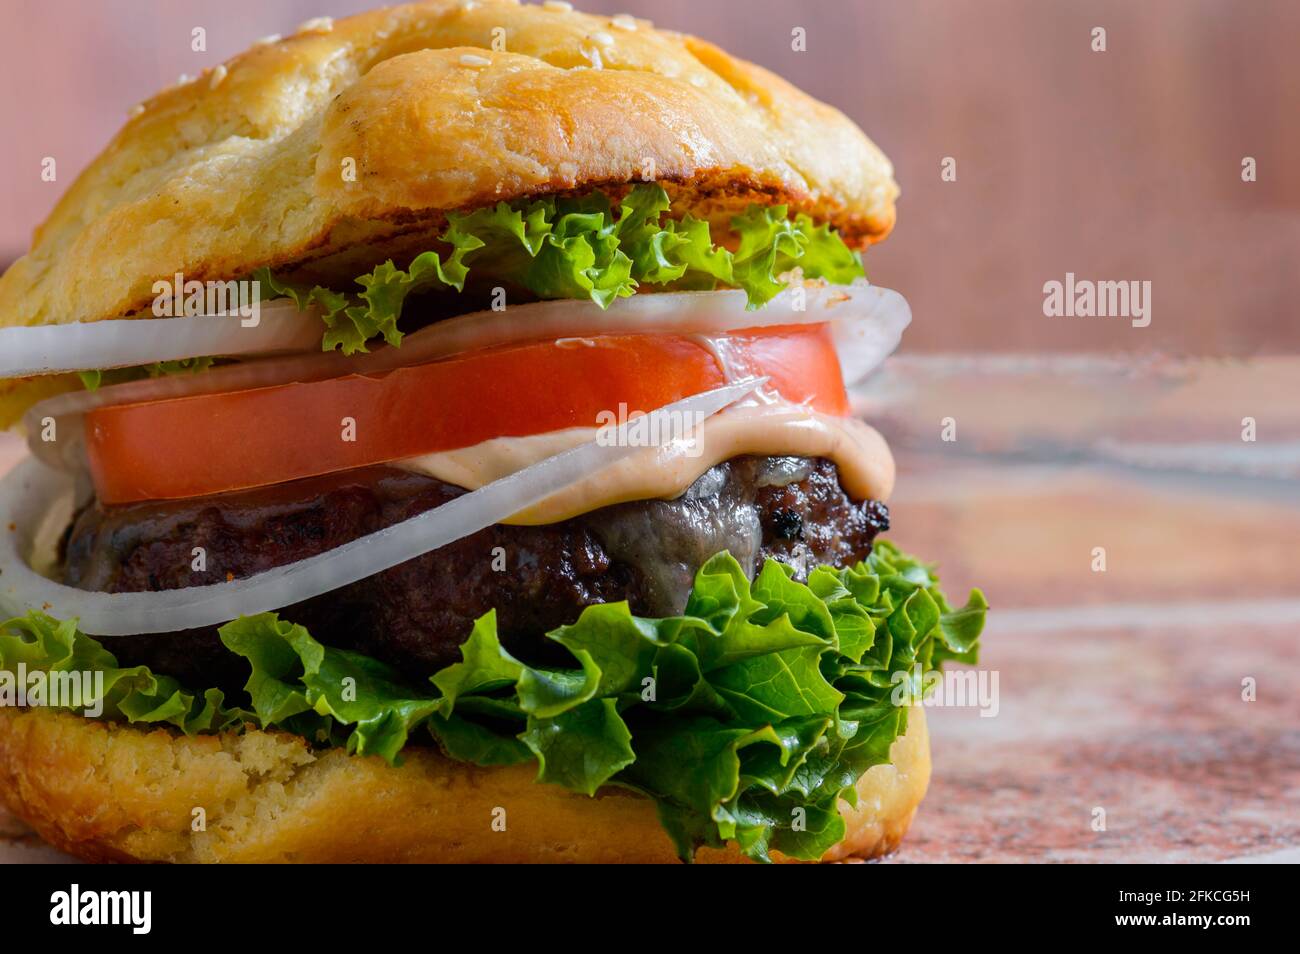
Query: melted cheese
{"points": [[865, 464]]}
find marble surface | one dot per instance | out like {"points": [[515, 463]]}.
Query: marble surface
{"points": [[1119, 691]]}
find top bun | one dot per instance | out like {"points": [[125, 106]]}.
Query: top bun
{"points": [[251, 164]]}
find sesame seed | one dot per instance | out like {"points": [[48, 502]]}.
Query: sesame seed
{"points": [[698, 80], [558, 5], [472, 59], [135, 110], [604, 39], [268, 40], [317, 25], [218, 76], [594, 56], [183, 79], [623, 22]]}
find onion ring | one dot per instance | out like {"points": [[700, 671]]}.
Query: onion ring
{"points": [[127, 342]]}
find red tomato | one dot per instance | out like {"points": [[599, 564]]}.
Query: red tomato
{"points": [[213, 443]]}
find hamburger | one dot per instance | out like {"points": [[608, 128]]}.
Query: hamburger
{"points": [[441, 451]]}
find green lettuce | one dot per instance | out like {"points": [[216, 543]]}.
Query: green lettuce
{"points": [[583, 248], [132, 693], [748, 718], [93, 379]]}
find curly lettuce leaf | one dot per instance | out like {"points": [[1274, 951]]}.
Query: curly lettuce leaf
{"points": [[39, 643], [353, 320], [748, 718], [771, 245], [581, 248]]}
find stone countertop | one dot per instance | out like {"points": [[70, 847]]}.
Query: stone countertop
{"points": [[1120, 690]]}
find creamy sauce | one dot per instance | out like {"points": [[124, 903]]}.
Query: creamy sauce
{"points": [[865, 464]]}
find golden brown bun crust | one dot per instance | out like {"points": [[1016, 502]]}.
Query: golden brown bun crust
{"points": [[111, 792], [243, 167]]}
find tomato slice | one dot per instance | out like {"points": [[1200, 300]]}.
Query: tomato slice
{"points": [[213, 443]]}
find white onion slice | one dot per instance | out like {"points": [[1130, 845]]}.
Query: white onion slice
{"points": [[127, 342], [868, 331], [865, 319], [31, 491], [867, 323]]}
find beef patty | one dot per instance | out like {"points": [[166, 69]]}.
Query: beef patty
{"points": [[415, 615]]}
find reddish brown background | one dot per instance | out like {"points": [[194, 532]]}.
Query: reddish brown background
{"points": [[1124, 164]]}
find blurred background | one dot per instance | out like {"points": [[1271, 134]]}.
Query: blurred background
{"points": [[1117, 165], [1069, 437]]}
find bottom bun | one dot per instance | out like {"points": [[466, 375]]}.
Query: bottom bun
{"points": [[111, 792]]}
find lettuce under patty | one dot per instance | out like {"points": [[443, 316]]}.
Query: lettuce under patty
{"points": [[747, 718], [579, 248]]}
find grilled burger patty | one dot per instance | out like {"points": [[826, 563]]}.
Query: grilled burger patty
{"points": [[415, 615]]}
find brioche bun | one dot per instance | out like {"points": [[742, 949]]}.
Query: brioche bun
{"points": [[246, 165], [111, 792]]}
